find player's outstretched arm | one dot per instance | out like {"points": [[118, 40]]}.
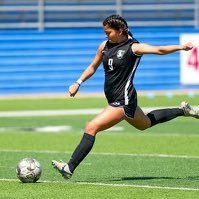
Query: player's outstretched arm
{"points": [[140, 48], [90, 70]]}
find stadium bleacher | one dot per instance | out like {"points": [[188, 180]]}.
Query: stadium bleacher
{"points": [[31, 61]]}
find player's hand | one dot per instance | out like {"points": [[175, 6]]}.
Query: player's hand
{"points": [[73, 89], [188, 46]]}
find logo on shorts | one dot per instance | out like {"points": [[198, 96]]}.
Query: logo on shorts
{"points": [[116, 103], [120, 54]]}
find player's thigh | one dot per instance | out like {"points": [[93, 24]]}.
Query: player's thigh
{"points": [[140, 120], [106, 119]]}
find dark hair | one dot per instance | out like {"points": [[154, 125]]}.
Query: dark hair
{"points": [[117, 23]]}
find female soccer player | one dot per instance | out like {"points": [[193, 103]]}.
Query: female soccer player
{"points": [[120, 55]]}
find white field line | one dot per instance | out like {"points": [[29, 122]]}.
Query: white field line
{"points": [[140, 186], [114, 185], [106, 154], [36, 113], [51, 129], [49, 113], [114, 129]]}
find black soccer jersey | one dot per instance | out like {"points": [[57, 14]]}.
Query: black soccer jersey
{"points": [[120, 64]]}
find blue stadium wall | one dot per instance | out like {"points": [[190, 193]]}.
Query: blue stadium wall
{"points": [[49, 61]]}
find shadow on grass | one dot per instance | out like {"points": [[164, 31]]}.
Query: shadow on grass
{"points": [[140, 178], [159, 178]]}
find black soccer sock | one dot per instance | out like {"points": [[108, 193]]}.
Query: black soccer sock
{"points": [[81, 151], [164, 115]]}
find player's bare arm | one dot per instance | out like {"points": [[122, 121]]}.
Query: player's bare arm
{"points": [[90, 70], [141, 48]]}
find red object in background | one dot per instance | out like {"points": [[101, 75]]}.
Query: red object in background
{"points": [[193, 60]]}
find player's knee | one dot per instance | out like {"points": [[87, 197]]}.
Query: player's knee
{"points": [[91, 128], [143, 127]]}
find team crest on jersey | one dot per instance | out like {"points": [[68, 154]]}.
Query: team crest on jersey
{"points": [[120, 54]]}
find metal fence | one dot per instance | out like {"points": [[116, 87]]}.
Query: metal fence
{"points": [[43, 14]]}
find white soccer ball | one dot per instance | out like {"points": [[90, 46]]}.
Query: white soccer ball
{"points": [[28, 170]]}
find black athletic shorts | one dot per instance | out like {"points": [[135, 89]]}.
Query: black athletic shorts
{"points": [[129, 109]]}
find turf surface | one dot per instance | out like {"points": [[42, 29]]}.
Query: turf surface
{"points": [[159, 163]]}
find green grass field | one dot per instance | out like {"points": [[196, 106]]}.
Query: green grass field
{"points": [[159, 163]]}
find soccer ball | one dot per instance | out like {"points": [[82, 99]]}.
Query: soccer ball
{"points": [[28, 170]]}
